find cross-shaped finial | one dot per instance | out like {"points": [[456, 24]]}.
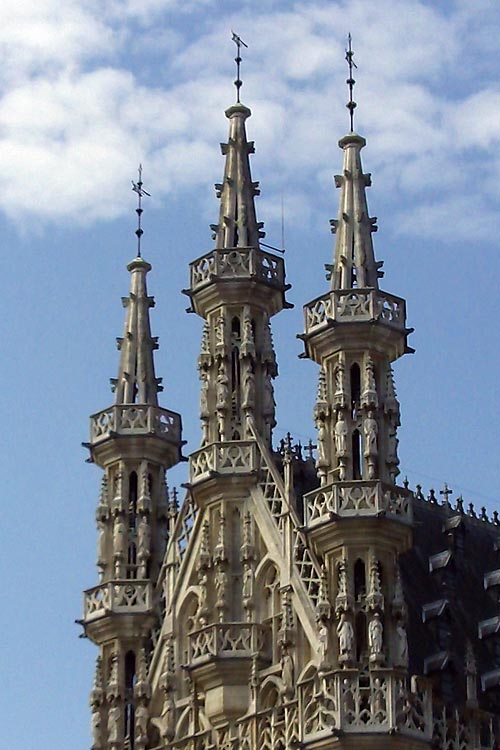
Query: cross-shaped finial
{"points": [[351, 104], [446, 492], [137, 188], [238, 82]]}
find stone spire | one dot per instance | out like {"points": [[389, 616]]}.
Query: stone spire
{"points": [[136, 382], [354, 261], [237, 288], [238, 225]]}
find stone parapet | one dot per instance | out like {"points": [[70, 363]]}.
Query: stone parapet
{"points": [[357, 498], [353, 306], [231, 457], [135, 419], [117, 597]]}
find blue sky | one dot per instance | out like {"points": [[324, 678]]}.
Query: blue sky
{"points": [[88, 90]]}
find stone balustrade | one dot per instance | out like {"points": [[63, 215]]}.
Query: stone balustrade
{"points": [[357, 498], [243, 262], [226, 639], [354, 305], [135, 419], [118, 597], [231, 457]]}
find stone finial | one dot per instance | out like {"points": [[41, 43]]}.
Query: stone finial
{"points": [[136, 382], [354, 261]]}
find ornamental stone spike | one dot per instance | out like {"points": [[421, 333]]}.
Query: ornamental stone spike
{"points": [[136, 382], [354, 261], [238, 226]]}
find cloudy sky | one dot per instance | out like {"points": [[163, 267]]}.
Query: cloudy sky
{"points": [[89, 90]]}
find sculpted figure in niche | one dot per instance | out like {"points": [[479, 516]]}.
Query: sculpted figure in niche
{"points": [[323, 637], [370, 429], [340, 378], [120, 537], [248, 389], [375, 635], [141, 722], [269, 403], [204, 412], [247, 588], [401, 645], [144, 538], [322, 457], [341, 435], [221, 582], [287, 672], [168, 718], [345, 633], [392, 449], [114, 724], [222, 388], [101, 544], [219, 331], [96, 724]]}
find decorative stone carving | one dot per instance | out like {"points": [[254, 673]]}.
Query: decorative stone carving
{"points": [[369, 397], [114, 724], [323, 640], [205, 359], [375, 598], [247, 547], [340, 395], [322, 459], [220, 333], [345, 634], [247, 585], [144, 538], [96, 728], [248, 391], [287, 673], [222, 387], [221, 587], [375, 638], [471, 676], [323, 609], [120, 544], [141, 723], [370, 429], [341, 432], [166, 723], [247, 348], [401, 654], [144, 504], [101, 544]]}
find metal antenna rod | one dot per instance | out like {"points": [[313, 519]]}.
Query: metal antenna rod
{"points": [[351, 105], [137, 188], [238, 82]]}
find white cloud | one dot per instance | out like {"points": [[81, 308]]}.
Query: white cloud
{"points": [[83, 101]]}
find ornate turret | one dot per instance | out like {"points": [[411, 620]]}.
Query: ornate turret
{"points": [[358, 518], [236, 288], [134, 442]]}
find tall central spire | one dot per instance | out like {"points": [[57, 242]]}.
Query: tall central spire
{"points": [[354, 261], [238, 225]]}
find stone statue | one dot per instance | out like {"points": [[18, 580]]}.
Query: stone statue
{"points": [[120, 538], [144, 538], [222, 388], [101, 544], [323, 637], [340, 377], [269, 403], [141, 722], [219, 331], [401, 659], [204, 411], [96, 725], [322, 457], [341, 435], [345, 633], [287, 672], [248, 401], [114, 716], [221, 582], [247, 587], [370, 429], [375, 635], [166, 724]]}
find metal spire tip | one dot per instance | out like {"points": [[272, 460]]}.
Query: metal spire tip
{"points": [[239, 44], [137, 188], [351, 105]]}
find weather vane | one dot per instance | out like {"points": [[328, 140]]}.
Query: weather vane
{"points": [[238, 83], [351, 105], [137, 188]]}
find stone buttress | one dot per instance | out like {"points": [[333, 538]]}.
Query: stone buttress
{"points": [[134, 442]]}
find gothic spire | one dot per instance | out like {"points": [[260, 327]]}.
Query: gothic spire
{"points": [[238, 225], [354, 261], [136, 382]]}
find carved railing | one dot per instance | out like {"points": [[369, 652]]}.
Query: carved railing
{"points": [[118, 597], [272, 729], [242, 262], [451, 729], [231, 457], [357, 498], [135, 419], [226, 639], [273, 489], [354, 305]]}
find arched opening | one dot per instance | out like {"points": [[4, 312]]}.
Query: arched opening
{"points": [[129, 716], [132, 500], [357, 470], [271, 610], [360, 625], [355, 384], [132, 561], [359, 580]]}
